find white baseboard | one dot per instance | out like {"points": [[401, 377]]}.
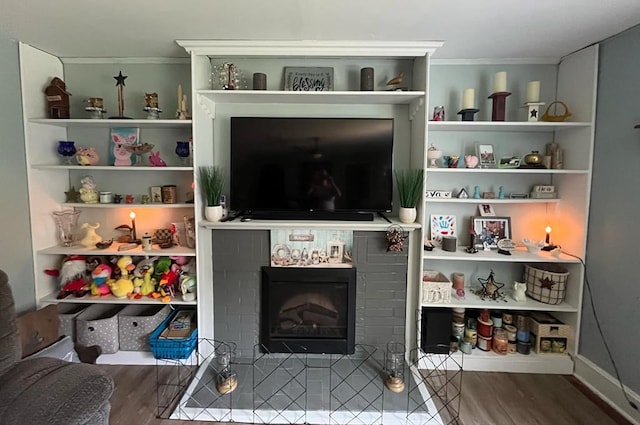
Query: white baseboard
{"points": [[606, 387]]}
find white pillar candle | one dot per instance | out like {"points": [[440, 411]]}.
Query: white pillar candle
{"points": [[468, 99], [533, 91], [179, 97], [500, 82]]}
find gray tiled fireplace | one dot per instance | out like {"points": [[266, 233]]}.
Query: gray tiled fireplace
{"points": [[238, 257]]}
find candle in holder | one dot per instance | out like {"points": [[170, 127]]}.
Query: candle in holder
{"points": [[533, 91], [500, 82], [132, 215], [468, 99]]}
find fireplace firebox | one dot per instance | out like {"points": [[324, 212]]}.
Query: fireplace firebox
{"points": [[308, 310]]}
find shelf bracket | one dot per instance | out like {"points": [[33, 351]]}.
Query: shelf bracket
{"points": [[414, 107], [207, 105]]}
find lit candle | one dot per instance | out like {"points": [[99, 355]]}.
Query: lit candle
{"points": [[468, 99], [179, 97], [132, 215], [533, 91], [500, 82], [548, 230]]}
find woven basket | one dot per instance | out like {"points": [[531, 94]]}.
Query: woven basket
{"points": [[546, 282], [556, 118]]}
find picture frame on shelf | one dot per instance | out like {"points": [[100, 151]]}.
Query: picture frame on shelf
{"points": [[486, 210], [486, 155], [442, 225], [489, 230], [156, 194], [509, 162], [308, 78]]}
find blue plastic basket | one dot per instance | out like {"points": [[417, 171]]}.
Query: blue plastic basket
{"points": [[180, 348]]}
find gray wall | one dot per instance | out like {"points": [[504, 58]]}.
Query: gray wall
{"points": [[612, 250], [15, 237], [380, 293]]}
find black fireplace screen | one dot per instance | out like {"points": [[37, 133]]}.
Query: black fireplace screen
{"points": [[308, 310]]}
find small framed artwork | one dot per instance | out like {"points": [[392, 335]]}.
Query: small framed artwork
{"points": [[308, 79], [442, 225], [156, 194], [486, 210], [509, 162], [486, 155], [489, 230]]}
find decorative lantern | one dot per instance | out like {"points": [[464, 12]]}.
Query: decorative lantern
{"points": [[227, 379], [394, 367]]}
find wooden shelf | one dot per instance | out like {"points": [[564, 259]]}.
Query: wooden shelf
{"points": [[128, 206], [113, 250], [491, 201], [505, 171], [107, 123], [108, 299], [488, 361], [325, 97], [473, 301], [519, 255], [498, 126], [109, 168], [378, 224]]}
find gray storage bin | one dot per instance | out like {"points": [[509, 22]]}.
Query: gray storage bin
{"points": [[67, 314], [136, 322], [98, 325]]}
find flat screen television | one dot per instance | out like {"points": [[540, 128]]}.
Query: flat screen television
{"points": [[311, 168]]}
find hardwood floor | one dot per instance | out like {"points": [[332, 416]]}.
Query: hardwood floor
{"points": [[487, 399]]}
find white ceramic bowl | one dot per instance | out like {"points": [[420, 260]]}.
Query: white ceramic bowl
{"points": [[533, 246]]}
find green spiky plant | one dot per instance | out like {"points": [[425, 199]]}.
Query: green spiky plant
{"points": [[409, 183], [211, 180]]}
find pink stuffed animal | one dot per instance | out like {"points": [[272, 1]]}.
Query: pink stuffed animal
{"points": [[155, 160]]}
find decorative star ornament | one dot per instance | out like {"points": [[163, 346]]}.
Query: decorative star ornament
{"points": [[73, 196], [547, 283], [120, 79], [534, 113]]}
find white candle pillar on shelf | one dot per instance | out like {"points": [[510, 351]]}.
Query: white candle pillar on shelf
{"points": [[468, 99], [179, 97], [533, 91], [500, 82]]}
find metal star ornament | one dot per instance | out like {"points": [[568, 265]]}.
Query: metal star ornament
{"points": [[73, 196], [120, 79]]}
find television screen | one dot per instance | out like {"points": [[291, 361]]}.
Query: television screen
{"points": [[311, 164]]}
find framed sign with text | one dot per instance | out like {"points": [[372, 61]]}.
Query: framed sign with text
{"points": [[308, 79]]}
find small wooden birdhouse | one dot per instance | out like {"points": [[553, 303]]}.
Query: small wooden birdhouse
{"points": [[57, 99]]}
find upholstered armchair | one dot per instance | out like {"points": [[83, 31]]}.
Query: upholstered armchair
{"points": [[46, 390]]}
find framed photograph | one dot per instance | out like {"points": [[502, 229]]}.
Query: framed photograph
{"points": [[442, 225], [486, 155], [486, 210], [308, 79], [156, 194], [489, 230], [509, 162]]}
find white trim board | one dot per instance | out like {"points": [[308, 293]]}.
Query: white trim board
{"points": [[606, 387]]}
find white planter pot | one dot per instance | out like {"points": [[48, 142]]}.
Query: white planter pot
{"points": [[408, 215], [213, 213]]}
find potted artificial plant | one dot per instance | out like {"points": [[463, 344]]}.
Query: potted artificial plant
{"points": [[211, 182], [409, 183]]}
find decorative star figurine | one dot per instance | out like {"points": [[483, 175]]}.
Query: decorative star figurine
{"points": [[547, 283], [490, 288], [120, 79], [73, 196], [534, 113]]}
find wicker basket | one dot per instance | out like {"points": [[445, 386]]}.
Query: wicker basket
{"points": [[546, 282], [556, 118]]}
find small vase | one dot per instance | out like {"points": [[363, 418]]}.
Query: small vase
{"points": [[213, 213], [67, 150], [66, 223], [182, 150], [408, 215]]}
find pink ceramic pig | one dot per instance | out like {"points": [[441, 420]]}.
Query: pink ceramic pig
{"points": [[470, 161], [87, 156]]}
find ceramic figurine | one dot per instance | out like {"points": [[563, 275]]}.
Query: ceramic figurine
{"points": [[470, 161], [519, 291], [501, 192], [87, 156], [476, 192], [91, 238], [88, 192], [155, 160]]}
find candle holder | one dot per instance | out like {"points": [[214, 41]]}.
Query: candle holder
{"points": [[468, 114], [394, 366], [227, 379], [499, 105], [533, 113]]}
